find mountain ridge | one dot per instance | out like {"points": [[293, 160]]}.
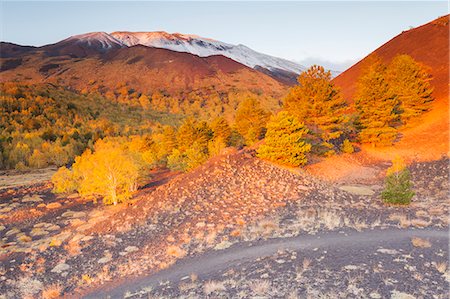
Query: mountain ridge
{"points": [[76, 63], [86, 44]]}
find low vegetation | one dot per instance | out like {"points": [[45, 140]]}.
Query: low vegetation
{"points": [[44, 125], [397, 189]]}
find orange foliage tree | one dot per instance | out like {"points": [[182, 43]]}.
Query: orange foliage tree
{"points": [[410, 82], [318, 103], [376, 104], [251, 120]]}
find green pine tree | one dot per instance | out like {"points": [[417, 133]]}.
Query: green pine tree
{"points": [[284, 142], [397, 186]]}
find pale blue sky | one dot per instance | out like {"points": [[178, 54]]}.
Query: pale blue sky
{"points": [[332, 33]]}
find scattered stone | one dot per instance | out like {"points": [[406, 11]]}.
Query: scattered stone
{"points": [[34, 198], [131, 249], [351, 267], [387, 251], [60, 268], [67, 214], [400, 295], [104, 260], [24, 239], [374, 295], [12, 231], [53, 205], [38, 232], [2, 228]]}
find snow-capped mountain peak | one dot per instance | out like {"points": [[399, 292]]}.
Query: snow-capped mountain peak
{"points": [[103, 39], [280, 68], [203, 47]]}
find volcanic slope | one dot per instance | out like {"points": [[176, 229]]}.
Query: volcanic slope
{"points": [[106, 65], [427, 44], [233, 198], [424, 140]]}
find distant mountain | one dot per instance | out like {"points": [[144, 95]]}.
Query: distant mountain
{"points": [[204, 47], [10, 50], [86, 44], [98, 59]]}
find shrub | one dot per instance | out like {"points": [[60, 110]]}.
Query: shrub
{"points": [[221, 130], [37, 159], [196, 155], [397, 186], [111, 171], [177, 160], [63, 181], [347, 147], [216, 146]]}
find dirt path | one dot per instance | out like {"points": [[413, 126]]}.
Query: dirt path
{"points": [[211, 262]]}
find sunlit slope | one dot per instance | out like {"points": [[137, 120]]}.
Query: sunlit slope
{"points": [[427, 139]]}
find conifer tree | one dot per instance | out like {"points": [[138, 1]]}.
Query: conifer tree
{"points": [[221, 129], [37, 159], [196, 155], [347, 147], [318, 103], [284, 141], [144, 101], [177, 160], [410, 81], [377, 105], [251, 120], [192, 131]]}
